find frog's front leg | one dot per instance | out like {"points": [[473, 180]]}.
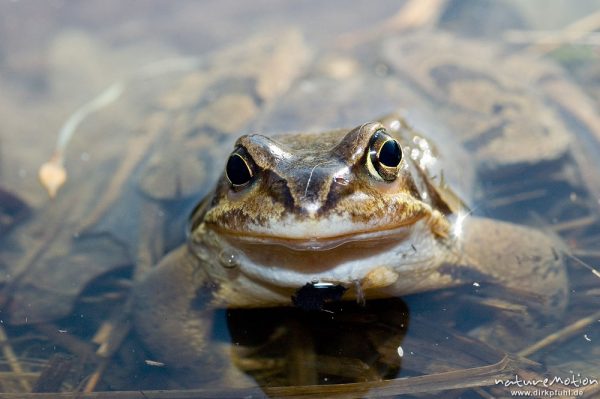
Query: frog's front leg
{"points": [[174, 316], [525, 262]]}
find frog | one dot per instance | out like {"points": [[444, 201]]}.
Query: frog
{"points": [[363, 211]]}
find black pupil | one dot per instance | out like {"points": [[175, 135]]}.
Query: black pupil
{"points": [[237, 170], [390, 154]]}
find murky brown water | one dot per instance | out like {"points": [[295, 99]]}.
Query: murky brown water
{"points": [[63, 293]]}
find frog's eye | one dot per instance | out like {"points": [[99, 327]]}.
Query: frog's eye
{"points": [[384, 157], [240, 169]]}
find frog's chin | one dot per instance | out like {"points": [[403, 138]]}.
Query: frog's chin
{"points": [[324, 237]]}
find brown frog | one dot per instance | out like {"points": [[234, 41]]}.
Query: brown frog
{"points": [[365, 210]]}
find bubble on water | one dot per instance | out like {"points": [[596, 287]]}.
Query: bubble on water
{"points": [[573, 197], [228, 259]]}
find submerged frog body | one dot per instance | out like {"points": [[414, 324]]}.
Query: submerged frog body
{"points": [[366, 209]]}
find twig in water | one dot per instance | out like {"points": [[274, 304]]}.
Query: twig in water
{"points": [[560, 335], [13, 360]]}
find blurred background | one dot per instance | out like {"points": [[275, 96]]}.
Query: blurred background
{"points": [[57, 55]]}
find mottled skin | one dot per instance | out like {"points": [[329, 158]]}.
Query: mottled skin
{"points": [[316, 210]]}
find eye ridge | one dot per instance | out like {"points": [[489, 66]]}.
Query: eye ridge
{"points": [[240, 168]]}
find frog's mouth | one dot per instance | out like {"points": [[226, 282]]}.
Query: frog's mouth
{"points": [[321, 236], [372, 259]]}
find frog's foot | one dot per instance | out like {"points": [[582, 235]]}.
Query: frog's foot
{"points": [[523, 269], [174, 316], [514, 326], [521, 259], [214, 368]]}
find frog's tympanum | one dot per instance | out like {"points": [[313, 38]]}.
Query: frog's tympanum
{"points": [[365, 209]]}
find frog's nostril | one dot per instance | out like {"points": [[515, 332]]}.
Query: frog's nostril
{"points": [[342, 181]]}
